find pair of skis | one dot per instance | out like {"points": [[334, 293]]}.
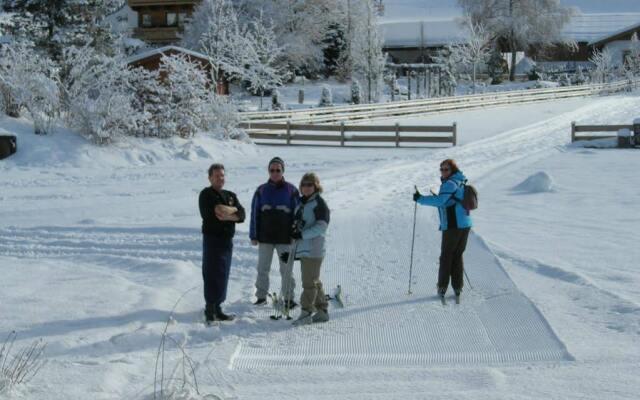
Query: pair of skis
{"points": [[280, 309]]}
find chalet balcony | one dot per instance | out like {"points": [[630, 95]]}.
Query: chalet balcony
{"points": [[164, 34]]}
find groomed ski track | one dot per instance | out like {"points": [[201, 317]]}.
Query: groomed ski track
{"points": [[384, 326]]}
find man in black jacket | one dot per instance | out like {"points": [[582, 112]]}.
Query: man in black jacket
{"points": [[220, 211]]}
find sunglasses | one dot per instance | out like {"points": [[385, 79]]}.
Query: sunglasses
{"points": [[275, 171], [445, 169], [307, 184]]}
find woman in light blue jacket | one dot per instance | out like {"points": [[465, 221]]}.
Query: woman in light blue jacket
{"points": [[455, 223], [310, 225]]}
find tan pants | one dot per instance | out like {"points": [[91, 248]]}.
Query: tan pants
{"points": [[313, 297]]}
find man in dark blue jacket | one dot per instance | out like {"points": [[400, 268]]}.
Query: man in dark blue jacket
{"points": [[272, 211], [220, 211]]}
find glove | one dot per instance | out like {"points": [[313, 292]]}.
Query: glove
{"points": [[416, 196], [297, 235], [284, 257]]}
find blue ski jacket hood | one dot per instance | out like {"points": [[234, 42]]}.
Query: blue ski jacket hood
{"points": [[448, 201]]}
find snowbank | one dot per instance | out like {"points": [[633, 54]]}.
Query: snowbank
{"points": [[539, 182], [66, 148]]}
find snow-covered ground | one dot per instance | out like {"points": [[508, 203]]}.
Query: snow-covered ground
{"points": [[98, 244]]}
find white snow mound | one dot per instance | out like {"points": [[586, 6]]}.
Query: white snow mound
{"points": [[540, 182]]}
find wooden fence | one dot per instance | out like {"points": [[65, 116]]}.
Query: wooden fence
{"points": [[575, 129], [287, 133]]}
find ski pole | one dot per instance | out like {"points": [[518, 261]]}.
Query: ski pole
{"points": [[290, 263], [413, 239], [467, 276]]}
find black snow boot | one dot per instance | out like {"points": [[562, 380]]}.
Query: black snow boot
{"points": [[220, 316], [210, 313]]}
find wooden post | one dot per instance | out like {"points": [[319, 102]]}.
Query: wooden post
{"points": [[409, 85], [288, 132], [418, 85], [573, 131], [636, 132], [455, 133], [342, 133], [397, 134]]}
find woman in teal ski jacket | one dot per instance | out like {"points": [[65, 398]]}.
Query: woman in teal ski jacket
{"points": [[455, 223]]}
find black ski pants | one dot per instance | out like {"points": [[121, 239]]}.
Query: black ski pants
{"points": [[216, 264], [454, 242]]}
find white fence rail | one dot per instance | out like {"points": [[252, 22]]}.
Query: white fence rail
{"points": [[433, 105]]}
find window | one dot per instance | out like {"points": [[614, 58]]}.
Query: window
{"points": [[172, 19], [146, 20], [182, 18]]}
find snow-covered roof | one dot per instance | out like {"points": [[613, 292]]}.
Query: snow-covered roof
{"points": [[396, 10], [402, 18], [5, 39], [591, 27], [162, 50], [630, 28], [419, 33]]}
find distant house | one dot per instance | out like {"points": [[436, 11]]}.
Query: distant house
{"points": [[584, 30], [619, 43], [151, 61], [412, 40], [417, 41], [160, 21]]}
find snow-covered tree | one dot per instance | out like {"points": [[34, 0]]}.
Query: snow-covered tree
{"points": [[220, 117], [30, 80], [303, 26], [356, 92], [475, 50], [326, 97], [449, 71], [564, 80], [579, 78], [633, 60], [603, 60], [214, 29], [54, 25], [263, 62], [187, 93], [520, 23], [98, 95], [368, 60]]}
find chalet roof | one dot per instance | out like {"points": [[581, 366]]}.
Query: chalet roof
{"points": [[628, 30], [417, 33], [164, 50], [592, 27]]}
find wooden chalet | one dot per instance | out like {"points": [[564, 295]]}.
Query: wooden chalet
{"points": [[151, 61], [161, 21], [619, 43]]}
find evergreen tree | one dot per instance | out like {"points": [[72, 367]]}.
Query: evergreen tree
{"points": [[495, 66], [53, 25], [335, 47]]}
